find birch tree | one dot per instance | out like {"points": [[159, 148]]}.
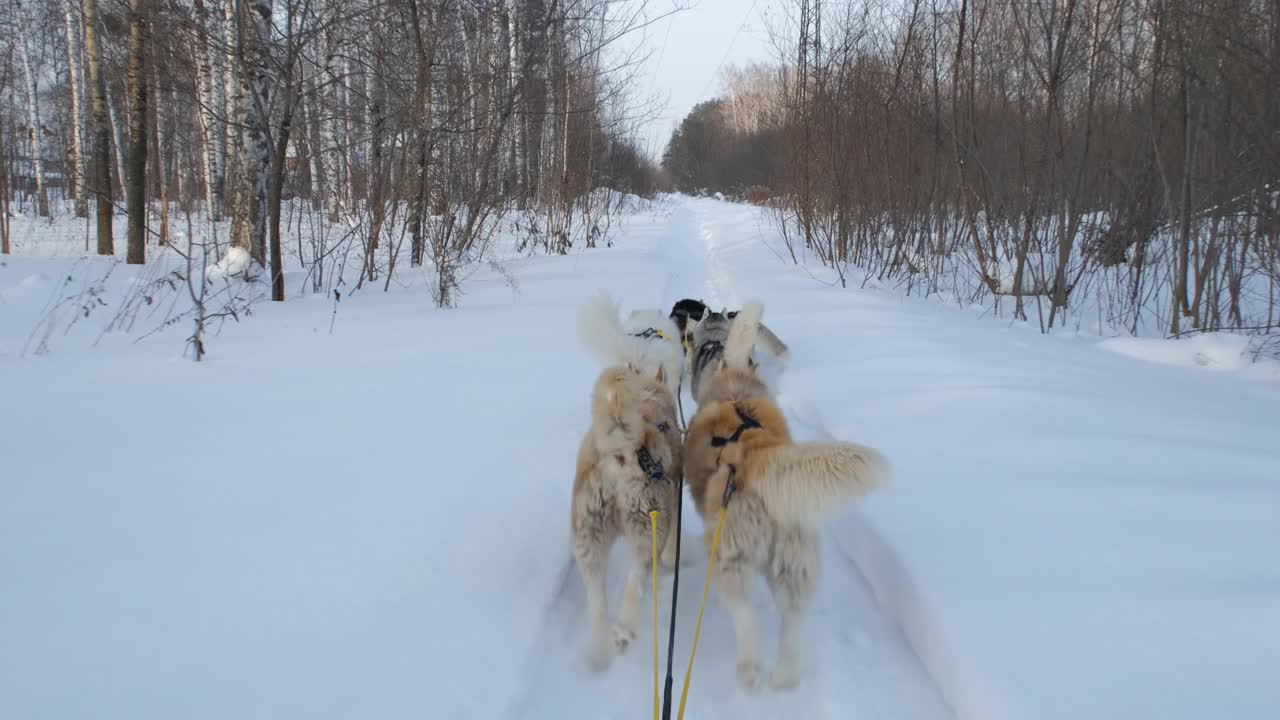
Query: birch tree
{"points": [[35, 130], [75, 172], [253, 38]]}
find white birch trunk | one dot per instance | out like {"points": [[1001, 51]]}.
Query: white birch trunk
{"points": [[76, 177], [116, 145], [348, 145], [255, 163], [330, 131], [520, 136], [229, 149], [205, 100], [366, 116], [329, 144], [177, 156], [34, 131]]}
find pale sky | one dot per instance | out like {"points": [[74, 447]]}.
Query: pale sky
{"points": [[689, 48]]}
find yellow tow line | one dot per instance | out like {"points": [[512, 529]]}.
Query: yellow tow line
{"points": [[653, 527], [697, 628]]}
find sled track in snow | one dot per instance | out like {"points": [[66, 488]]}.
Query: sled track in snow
{"points": [[854, 660], [807, 423]]}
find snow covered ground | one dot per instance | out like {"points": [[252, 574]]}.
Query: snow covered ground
{"points": [[364, 514]]}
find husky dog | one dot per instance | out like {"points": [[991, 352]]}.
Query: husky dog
{"points": [[685, 314], [647, 340], [652, 325], [687, 310], [689, 315], [628, 464], [706, 347], [772, 343], [739, 451]]}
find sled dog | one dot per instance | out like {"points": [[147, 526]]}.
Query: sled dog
{"points": [[706, 347], [684, 311], [703, 332], [778, 490], [628, 463], [652, 325], [647, 340]]}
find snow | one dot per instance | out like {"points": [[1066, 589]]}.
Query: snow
{"points": [[1214, 351], [233, 264], [1071, 533], [360, 508]]}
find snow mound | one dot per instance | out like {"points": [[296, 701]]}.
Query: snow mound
{"points": [[1215, 351], [31, 285], [235, 263]]}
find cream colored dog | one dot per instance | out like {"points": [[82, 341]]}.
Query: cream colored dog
{"points": [[647, 340], [629, 462], [780, 489]]}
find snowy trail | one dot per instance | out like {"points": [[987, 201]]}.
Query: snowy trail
{"points": [[361, 509], [855, 661]]}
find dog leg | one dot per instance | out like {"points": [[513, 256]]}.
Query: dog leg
{"points": [[668, 559], [786, 674], [793, 576], [624, 632], [733, 581], [592, 563]]}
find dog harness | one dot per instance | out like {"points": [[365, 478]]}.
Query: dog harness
{"points": [[648, 464], [650, 332], [708, 350], [748, 423], [651, 467]]}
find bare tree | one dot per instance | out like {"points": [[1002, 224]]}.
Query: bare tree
{"points": [[101, 130], [75, 171], [4, 196], [1047, 151], [35, 128], [137, 186], [330, 130]]}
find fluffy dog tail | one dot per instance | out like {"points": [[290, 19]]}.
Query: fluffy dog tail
{"points": [[774, 344], [665, 348], [601, 330], [802, 483], [742, 335]]}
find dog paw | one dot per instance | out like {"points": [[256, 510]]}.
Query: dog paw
{"points": [[784, 677], [622, 638], [750, 674]]}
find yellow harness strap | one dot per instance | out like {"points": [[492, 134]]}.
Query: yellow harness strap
{"points": [[711, 568], [653, 526]]}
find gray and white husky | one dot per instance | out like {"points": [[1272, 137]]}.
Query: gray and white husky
{"points": [[708, 336]]}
